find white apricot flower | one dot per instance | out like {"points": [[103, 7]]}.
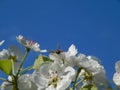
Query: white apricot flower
{"points": [[67, 58], [92, 65], [52, 76], [24, 83], [29, 44], [13, 53], [116, 76]]}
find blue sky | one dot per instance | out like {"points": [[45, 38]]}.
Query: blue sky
{"points": [[92, 25]]}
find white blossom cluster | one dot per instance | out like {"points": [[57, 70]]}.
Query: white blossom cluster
{"points": [[65, 70]]}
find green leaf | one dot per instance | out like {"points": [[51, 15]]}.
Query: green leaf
{"points": [[26, 70], [41, 59], [89, 87], [70, 88], [6, 66]]}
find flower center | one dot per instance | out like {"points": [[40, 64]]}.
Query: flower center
{"points": [[13, 58], [31, 43], [54, 79]]}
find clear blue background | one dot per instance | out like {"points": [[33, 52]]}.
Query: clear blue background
{"points": [[92, 25]]}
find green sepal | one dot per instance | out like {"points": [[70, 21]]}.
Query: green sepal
{"points": [[6, 66], [41, 59], [70, 88], [89, 87], [26, 70]]}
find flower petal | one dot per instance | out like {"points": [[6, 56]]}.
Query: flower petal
{"points": [[117, 66], [25, 83], [66, 80], [116, 78], [6, 86], [15, 51], [2, 42], [72, 51], [29, 44], [4, 54]]}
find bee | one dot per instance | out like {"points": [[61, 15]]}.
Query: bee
{"points": [[58, 51]]}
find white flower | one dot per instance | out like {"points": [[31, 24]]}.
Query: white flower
{"points": [[13, 53], [2, 42], [67, 58], [100, 78], [92, 65], [24, 83], [29, 44], [51, 76]]}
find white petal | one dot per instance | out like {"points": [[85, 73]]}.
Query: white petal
{"points": [[100, 78], [16, 66], [4, 54], [21, 40], [43, 50], [43, 69], [15, 51], [117, 66], [10, 78], [35, 47], [82, 72], [72, 51], [57, 57], [6, 86], [40, 76], [2, 42], [29, 44], [64, 83], [56, 67], [70, 70], [25, 83], [51, 87], [91, 64], [66, 80], [116, 78], [40, 81]]}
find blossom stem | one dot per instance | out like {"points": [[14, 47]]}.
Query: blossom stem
{"points": [[15, 82], [27, 51], [78, 83], [78, 71], [118, 87], [3, 79]]}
